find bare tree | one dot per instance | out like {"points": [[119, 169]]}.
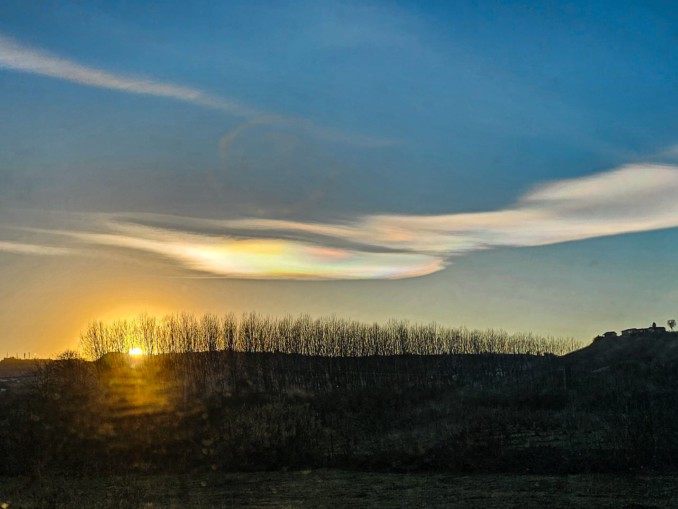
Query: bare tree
{"points": [[328, 336]]}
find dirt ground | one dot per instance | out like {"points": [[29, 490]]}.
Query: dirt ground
{"points": [[339, 489]]}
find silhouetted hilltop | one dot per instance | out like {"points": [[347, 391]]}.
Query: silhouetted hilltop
{"points": [[13, 368], [650, 349]]}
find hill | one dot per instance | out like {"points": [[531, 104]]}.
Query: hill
{"points": [[11, 367], [646, 349], [609, 407]]}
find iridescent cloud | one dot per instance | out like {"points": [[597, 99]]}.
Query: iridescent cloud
{"points": [[226, 256], [629, 199]]}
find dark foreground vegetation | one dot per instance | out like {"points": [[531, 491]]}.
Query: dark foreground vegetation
{"points": [[231, 411], [334, 489], [610, 408]]}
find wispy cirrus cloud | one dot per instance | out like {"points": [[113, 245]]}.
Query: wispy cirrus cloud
{"points": [[32, 249], [18, 57], [670, 152], [629, 199]]}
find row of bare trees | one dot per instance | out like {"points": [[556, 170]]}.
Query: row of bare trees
{"points": [[327, 336]]}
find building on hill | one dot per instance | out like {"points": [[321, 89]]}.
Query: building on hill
{"points": [[606, 335], [644, 332], [653, 330]]}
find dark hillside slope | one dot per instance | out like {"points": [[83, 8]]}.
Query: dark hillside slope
{"points": [[13, 368], [610, 407], [656, 349]]}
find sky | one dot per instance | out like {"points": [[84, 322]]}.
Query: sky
{"points": [[498, 164]]}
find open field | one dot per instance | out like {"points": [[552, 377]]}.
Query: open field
{"points": [[337, 489]]}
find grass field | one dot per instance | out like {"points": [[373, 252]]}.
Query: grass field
{"points": [[337, 489]]}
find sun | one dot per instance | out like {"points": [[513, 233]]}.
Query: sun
{"points": [[136, 352]]}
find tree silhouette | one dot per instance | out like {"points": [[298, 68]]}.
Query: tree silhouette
{"points": [[325, 336], [671, 323]]}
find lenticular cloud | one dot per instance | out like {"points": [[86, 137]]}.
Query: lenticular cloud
{"points": [[257, 258], [629, 199], [632, 198]]}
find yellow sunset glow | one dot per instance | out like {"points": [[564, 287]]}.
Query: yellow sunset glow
{"points": [[136, 352]]}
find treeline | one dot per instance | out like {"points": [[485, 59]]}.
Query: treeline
{"points": [[327, 336]]}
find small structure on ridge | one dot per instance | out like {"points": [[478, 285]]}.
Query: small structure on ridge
{"points": [[653, 330]]}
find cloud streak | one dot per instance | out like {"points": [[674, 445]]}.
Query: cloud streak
{"points": [[629, 199], [632, 198], [32, 249], [18, 57]]}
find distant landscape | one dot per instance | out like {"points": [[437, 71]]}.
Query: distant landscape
{"points": [[338, 254], [208, 398]]}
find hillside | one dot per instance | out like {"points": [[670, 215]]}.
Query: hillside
{"points": [[609, 407], [646, 349], [234, 411], [13, 368], [15, 373]]}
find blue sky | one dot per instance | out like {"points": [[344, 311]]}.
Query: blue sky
{"points": [[346, 142]]}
